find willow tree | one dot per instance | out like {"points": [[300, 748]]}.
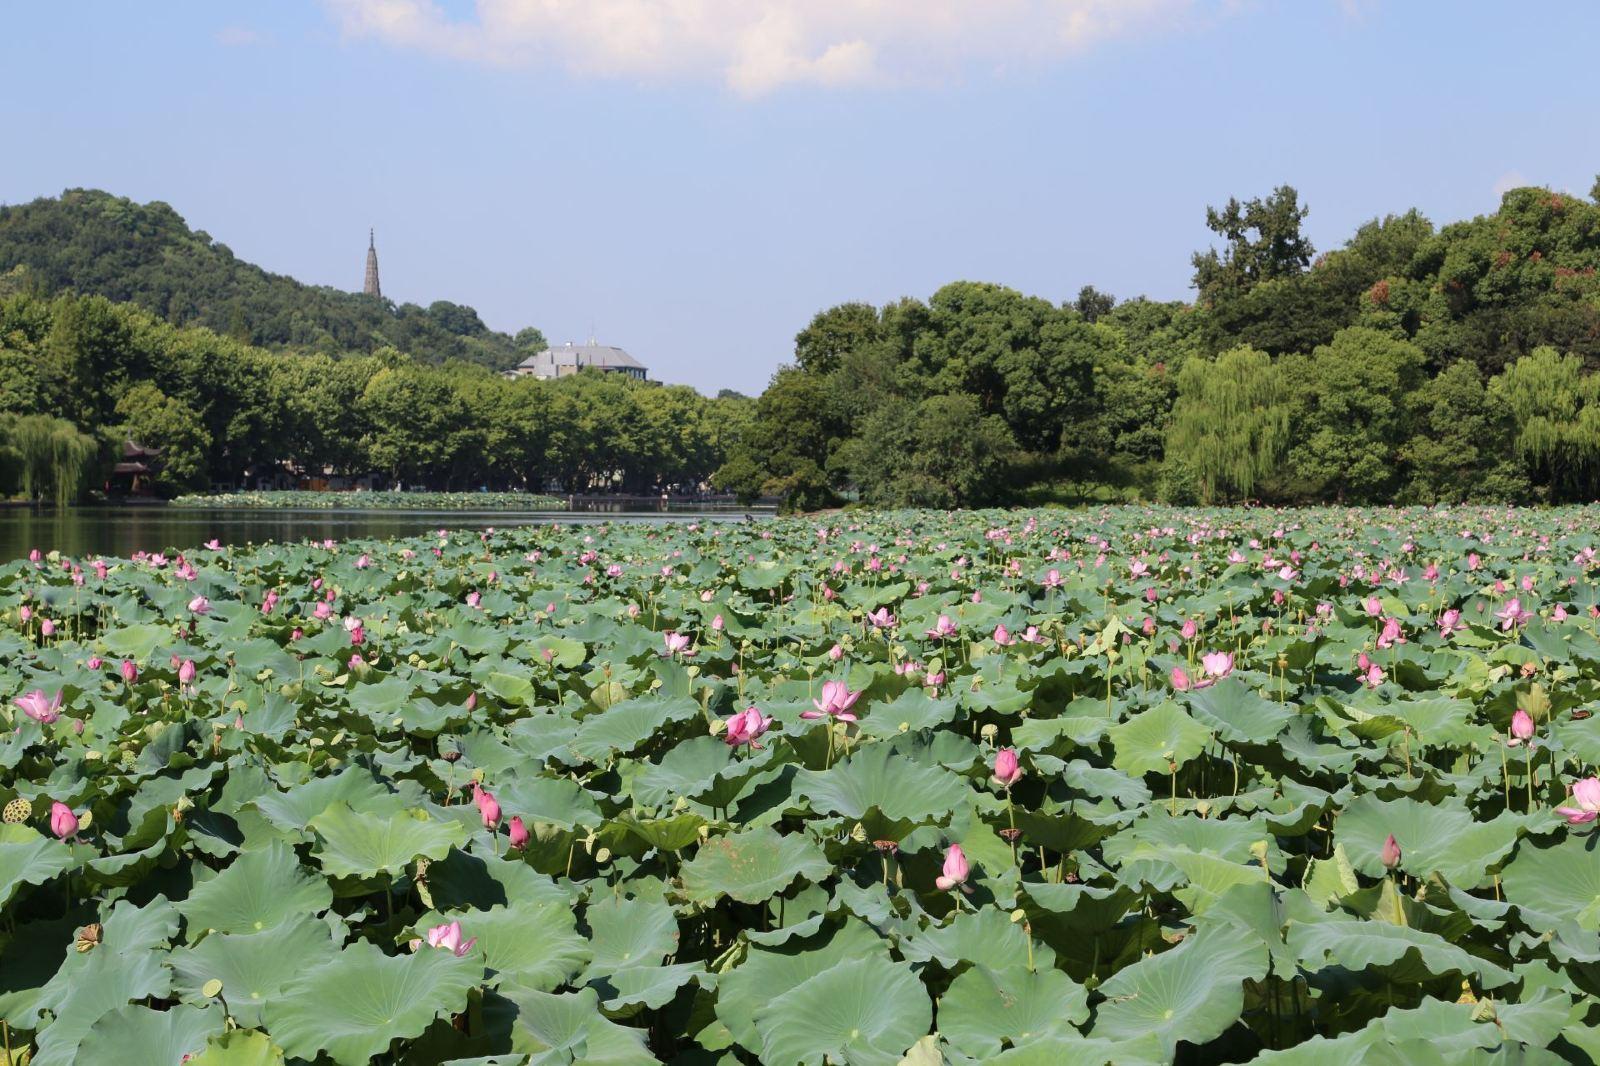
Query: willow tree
{"points": [[1230, 424], [1556, 409], [51, 457]]}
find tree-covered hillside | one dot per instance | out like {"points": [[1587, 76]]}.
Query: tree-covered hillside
{"points": [[93, 243]]}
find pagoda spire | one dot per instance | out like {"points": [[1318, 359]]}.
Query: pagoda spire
{"points": [[371, 287]]}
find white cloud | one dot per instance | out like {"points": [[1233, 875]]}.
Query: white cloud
{"points": [[755, 46]]}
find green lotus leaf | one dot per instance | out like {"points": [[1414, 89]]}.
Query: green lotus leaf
{"points": [[645, 986], [351, 1007], [1191, 993], [1155, 740], [253, 967], [1357, 944], [621, 728], [1446, 840], [1556, 884], [752, 865], [986, 937], [28, 857], [570, 1028], [874, 777], [138, 1034], [557, 801], [533, 943], [770, 974], [624, 933], [1237, 712], [986, 1008], [239, 1047], [864, 1010], [258, 890], [352, 844], [294, 809]]}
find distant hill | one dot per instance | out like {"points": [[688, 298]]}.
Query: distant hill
{"points": [[91, 242]]}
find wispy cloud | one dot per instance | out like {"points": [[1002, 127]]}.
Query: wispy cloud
{"points": [[1511, 179], [241, 37], [756, 46]]}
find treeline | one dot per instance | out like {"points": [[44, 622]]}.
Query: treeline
{"points": [[92, 243], [80, 374], [1413, 364]]}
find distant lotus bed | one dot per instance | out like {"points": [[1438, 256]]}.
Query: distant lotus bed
{"points": [[377, 501]]}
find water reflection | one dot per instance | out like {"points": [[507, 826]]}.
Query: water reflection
{"points": [[121, 531]]}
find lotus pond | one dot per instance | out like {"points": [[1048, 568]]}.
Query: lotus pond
{"points": [[1121, 786]]}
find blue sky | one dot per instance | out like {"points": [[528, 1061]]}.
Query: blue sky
{"points": [[695, 187]]}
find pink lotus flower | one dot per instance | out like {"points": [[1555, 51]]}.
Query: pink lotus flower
{"points": [[717, 624], [488, 806], [47, 628], [944, 627], [1521, 728], [1002, 636], [1217, 664], [1181, 680], [95, 662], [1052, 580], [1390, 854], [1512, 614], [363, 561], [130, 671], [1586, 794], [1391, 634], [836, 701], [213, 544], [1374, 606], [1007, 771], [519, 834], [746, 727], [473, 599], [1190, 629], [63, 823], [200, 605], [676, 643], [836, 653], [956, 871], [1374, 675], [186, 672], [41, 708], [1450, 622], [448, 937], [881, 618]]}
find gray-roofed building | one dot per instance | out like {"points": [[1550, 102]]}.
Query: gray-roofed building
{"points": [[570, 358]]}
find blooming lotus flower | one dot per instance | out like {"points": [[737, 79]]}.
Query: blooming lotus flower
{"points": [[473, 599], [1521, 728], [200, 605], [1450, 622], [41, 708], [488, 806], [1007, 771], [1374, 675], [1586, 794], [1512, 614], [213, 544], [881, 618], [95, 662], [1392, 633], [448, 937], [1002, 636], [1052, 580], [519, 834], [944, 627], [956, 871], [1390, 853], [63, 823], [1217, 664], [676, 642], [836, 701], [746, 727], [1374, 606]]}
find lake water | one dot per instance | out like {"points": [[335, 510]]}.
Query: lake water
{"points": [[121, 531]]}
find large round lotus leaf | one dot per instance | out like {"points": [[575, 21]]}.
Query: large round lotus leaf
{"points": [[768, 975], [293, 809], [1154, 740], [1356, 944], [1191, 993], [542, 799], [352, 1006], [752, 865], [984, 1008], [910, 712], [1442, 839], [534, 943], [253, 967], [570, 1028], [29, 858], [239, 1047], [258, 890], [1238, 713], [864, 1010], [136, 1033], [985, 937], [875, 778], [645, 986], [106, 982], [1556, 884], [621, 728], [629, 932], [703, 768], [1065, 1051], [364, 844]]}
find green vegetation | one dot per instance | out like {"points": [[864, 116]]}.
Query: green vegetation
{"points": [[92, 243], [1137, 786], [222, 412], [376, 501], [1412, 364]]}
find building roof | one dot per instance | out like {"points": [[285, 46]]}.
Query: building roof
{"points": [[603, 356]]}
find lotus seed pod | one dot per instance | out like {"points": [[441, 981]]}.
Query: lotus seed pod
{"points": [[602, 856], [18, 811], [990, 731]]}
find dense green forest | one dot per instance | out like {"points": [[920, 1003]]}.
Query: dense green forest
{"points": [[1414, 364], [81, 368], [93, 243]]}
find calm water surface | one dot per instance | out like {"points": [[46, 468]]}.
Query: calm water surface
{"points": [[121, 531]]}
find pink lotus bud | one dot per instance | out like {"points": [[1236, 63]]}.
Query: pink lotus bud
{"points": [[519, 833], [1006, 770], [1522, 725], [1390, 855], [956, 871], [836, 653], [130, 671], [95, 662], [63, 823], [186, 672], [1181, 680]]}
